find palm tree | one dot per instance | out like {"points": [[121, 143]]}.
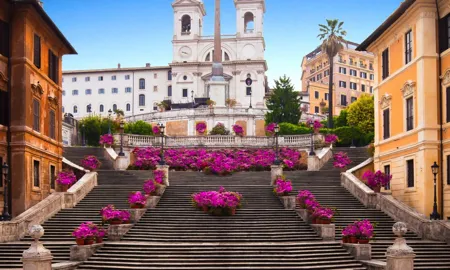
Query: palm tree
{"points": [[332, 35]]}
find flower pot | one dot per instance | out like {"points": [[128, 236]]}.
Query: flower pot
{"points": [[363, 241], [137, 206], [218, 212], [344, 239], [115, 221], [205, 208], [314, 221], [64, 188], [80, 241], [353, 240], [231, 211], [376, 189], [325, 221], [343, 169], [99, 240], [89, 241]]}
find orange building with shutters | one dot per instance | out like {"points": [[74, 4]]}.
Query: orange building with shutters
{"points": [[412, 101], [31, 49]]}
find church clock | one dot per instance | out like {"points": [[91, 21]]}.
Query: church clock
{"points": [[185, 52]]}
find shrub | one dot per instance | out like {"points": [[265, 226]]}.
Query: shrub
{"points": [[361, 114], [219, 129], [94, 127], [138, 128]]}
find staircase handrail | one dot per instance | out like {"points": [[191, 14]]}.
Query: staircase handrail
{"points": [[73, 165]]}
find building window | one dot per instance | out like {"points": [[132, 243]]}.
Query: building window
{"points": [[408, 47], [115, 90], [185, 92], [169, 75], [248, 91], [128, 107], [342, 70], [326, 96], [36, 115], [4, 39], [127, 89], [316, 94], [52, 176], [326, 73], [102, 108], [385, 63], [74, 92], [363, 87], [127, 77], [141, 83], [353, 86], [63, 110], [64, 92], [88, 92], [353, 99], [52, 124], [36, 173], [75, 109], [409, 114], [316, 109], [155, 75], [186, 25], [87, 79], [372, 77], [342, 84], [353, 72], [88, 108], [387, 171], [410, 172], [343, 100], [53, 67], [169, 90], [319, 77], [37, 51], [114, 107], [100, 78], [444, 34], [363, 75], [141, 100], [386, 124], [101, 91], [155, 88], [113, 77], [74, 79], [371, 89]]}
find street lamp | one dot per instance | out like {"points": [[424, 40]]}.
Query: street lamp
{"points": [[435, 215], [83, 135], [250, 99], [5, 215], [311, 150], [277, 159], [109, 121], [161, 132], [192, 97], [122, 127]]}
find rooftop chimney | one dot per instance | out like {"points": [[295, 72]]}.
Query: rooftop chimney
{"points": [[147, 65], [118, 65]]}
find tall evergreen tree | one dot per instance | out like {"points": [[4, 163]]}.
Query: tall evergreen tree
{"points": [[284, 103]]}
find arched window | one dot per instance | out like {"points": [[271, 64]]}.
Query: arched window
{"points": [[141, 83], [155, 106], [186, 24], [75, 109], [249, 22], [88, 108], [141, 100], [208, 57], [102, 108], [169, 75], [114, 107], [128, 107], [226, 56]]}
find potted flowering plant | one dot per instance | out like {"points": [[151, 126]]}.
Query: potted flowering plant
{"points": [[84, 234], [201, 128], [314, 124], [331, 139], [270, 129], [159, 176], [376, 180], [137, 200], [238, 130], [366, 231], [90, 163], [230, 102], [114, 217], [65, 179], [156, 130], [99, 235], [302, 196], [107, 140], [323, 215], [220, 202], [341, 161], [282, 187], [349, 234]]}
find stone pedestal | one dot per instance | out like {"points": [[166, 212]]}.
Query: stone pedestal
{"points": [[82, 253], [217, 92], [122, 163], [304, 214], [288, 202], [275, 171], [152, 201], [136, 214], [361, 252], [164, 168], [115, 232], [400, 256], [326, 231], [313, 163], [37, 257]]}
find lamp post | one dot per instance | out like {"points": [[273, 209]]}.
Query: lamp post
{"points": [[83, 134], [435, 215], [121, 126], [109, 121], [250, 99], [192, 97], [311, 150], [161, 132], [5, 215], [277, 159], [353, 141]]}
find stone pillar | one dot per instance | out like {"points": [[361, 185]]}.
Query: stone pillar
{"points": [[288, 202], [400, 256], [115, 232], [304, 214], [152, 201], [326, 231], [83, 253], [313, 163], [164, 168], [122, 163], [37, 257], [136, 214], [361, 252], [275, 170]]}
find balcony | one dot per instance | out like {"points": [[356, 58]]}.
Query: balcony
{"points": [[342, 61]]}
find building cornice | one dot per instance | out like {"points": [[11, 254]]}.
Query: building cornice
{"points": [[227, 63], [107, 70]]}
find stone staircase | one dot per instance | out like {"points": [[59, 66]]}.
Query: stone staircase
{"points": [[262, 235], [325, 185], [76, 154]]}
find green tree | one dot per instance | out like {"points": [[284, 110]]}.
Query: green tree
{"points": [[361, 114], [341, 120], [284, 103], [332, 36], [139, 128], [94, 126]]}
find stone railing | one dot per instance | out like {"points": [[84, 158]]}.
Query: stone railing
{"points": [[18, 227], [299, 141], [438, 230], [315, 163]]}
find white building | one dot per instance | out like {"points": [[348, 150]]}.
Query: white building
{"points": [[137, 91]]}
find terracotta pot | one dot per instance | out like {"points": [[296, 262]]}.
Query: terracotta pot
{"points": [[80, 241], [353, 240], [99, 240], [115, 222], [343, 170], [232, 211], [363, 241], [64, 188], [326, 221], [217, 212], [344, 239], [376, 189], [89, 241], [314, 221], [137, 206], [205, 208]]}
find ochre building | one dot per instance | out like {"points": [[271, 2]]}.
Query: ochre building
{"points": [[31, 49], [412, 101]]}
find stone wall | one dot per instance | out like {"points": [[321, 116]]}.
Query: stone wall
{"points": [[177, 128]]}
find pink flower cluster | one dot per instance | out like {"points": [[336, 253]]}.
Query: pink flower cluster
{"points": [[220, 162], [217, 199], [363, 229], [200, 127], [308, 201], [90, 163], [303, 196], [107, 139], [110, 213], [331, 138], [88, 229], [159, 176], [377, 179], [282, 186], [66, 178], [238, 130], [341, 160], [137, 198], [270, 129], [156, 130], [315, 124], [323, 213]]}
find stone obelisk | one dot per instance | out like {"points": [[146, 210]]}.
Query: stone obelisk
{"points": [[218, 87]]}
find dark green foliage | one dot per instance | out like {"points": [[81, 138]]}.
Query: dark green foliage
{"points": [[95, 126], [219, 130], [291, 129], [138, 128], [283, 104], [341, 120]]}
